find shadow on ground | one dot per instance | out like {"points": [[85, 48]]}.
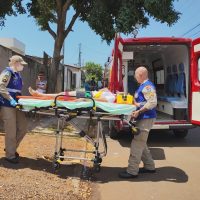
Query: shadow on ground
{"points": [[39, 164], [164, 138], [169, 174]]}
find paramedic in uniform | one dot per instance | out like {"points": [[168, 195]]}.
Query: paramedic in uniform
{"points": [[14, 120], [146, 101]]}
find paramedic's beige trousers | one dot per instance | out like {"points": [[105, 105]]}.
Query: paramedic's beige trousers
{"points": [[139, 150], [15, 125]]}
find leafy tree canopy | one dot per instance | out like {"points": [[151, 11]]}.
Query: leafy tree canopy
{"points": [[93, 70], [10, 7], [108, 17], [103, 16]]}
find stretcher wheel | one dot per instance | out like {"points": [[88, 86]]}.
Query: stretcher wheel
{"points": [[61, 154], [82, 133], [56, 165], [97, 167], [100, 160], [97, 160]]}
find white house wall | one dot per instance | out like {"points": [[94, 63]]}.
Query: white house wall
{"points": [[65, 79], [68, 73], [78, 80]]}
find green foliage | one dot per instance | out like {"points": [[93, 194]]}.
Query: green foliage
{"points": [[93, 70], [43, 11], [10, 7], [103, 16], [108, 17]]}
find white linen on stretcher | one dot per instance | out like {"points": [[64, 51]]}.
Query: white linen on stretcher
{"points": [[112, 108]]}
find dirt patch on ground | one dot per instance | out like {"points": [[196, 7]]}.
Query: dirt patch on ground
{"points": [[34, 178]]}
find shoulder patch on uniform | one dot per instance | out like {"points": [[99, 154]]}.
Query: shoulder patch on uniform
{"points": [[5, 79], [148, 88], [5, 76]]}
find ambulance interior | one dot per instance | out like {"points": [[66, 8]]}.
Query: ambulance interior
{"points": [[168, 67]]}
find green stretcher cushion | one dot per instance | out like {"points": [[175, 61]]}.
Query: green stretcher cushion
{"points": [[112, 108]]}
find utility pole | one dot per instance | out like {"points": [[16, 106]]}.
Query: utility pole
{"points": [[83, 62], [63, 68], [79, 55]]}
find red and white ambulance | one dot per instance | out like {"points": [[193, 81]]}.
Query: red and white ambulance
{"points": [[174, 67]]}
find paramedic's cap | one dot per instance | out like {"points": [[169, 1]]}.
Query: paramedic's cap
{"points": [[17, 58]]}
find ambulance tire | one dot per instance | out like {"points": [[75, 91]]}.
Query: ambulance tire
{"points": [[114, 134], [180, 133]]}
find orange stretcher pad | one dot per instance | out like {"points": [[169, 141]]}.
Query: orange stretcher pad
{"points": [[61, 98]]}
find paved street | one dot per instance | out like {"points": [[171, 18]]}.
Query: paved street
{"points": [[177, 163]]}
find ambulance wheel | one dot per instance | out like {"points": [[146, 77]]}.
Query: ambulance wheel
{"points": [[113, 133], [180, 133]]}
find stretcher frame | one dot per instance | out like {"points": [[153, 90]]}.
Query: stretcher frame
{"points": [[65, 115]]}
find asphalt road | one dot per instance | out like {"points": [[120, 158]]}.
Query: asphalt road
{"points": [[177, 163]]}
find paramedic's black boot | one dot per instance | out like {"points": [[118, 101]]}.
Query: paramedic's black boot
{"points": [[125, 174], [16, 154], [13, 160], [143, 170]]}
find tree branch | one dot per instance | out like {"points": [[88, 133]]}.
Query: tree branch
{"points": [[58, 2], [69, 28], [66, 6], [51, 32]]}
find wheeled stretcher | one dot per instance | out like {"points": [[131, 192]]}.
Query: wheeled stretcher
{"points": [[66, 111]]}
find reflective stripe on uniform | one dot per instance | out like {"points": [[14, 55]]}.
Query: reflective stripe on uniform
{"points": [[13, 90]]}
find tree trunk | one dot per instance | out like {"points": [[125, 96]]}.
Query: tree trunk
{"points": [[55, 76], [60, 79]]}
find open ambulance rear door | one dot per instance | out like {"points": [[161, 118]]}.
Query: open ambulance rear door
{"points": [[195, 83], [116, 80]]}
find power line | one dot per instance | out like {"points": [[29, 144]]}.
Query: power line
{"points": [[190, 30], [79, 55], [194, 34]]}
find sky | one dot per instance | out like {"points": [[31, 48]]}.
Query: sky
{"points": [[93, 49]]}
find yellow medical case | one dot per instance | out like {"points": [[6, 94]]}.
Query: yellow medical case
{"points": [[124, 99]]}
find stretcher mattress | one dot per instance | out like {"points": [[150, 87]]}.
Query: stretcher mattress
{"points": [[112, 108]]}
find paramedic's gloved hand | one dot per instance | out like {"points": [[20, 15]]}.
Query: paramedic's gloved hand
{"points": [[13, 102]]}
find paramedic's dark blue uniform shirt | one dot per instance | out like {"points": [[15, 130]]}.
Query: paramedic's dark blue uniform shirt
{"points": [[146, 96], [13, 82]]}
